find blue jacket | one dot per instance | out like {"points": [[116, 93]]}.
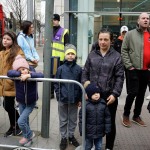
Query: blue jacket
{"points": [[26, 91], [27, 45], [68, 92], [98, 119]]}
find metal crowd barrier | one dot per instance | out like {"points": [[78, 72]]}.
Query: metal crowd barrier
{"points": [[82, 146]]}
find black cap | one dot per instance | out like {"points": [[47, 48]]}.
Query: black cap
{"points": [[56, 17]]}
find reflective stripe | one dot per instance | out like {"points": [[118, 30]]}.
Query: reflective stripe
{"points": [[60, 50], [58, 46]]}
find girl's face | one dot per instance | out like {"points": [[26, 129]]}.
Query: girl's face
{"points": [[7, 41], [70, 56], [23, 70], [31, 29], [104, 41]]}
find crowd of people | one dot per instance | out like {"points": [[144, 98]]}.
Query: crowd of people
{"points": [[102, 77]]}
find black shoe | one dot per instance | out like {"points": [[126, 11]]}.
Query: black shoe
{"points": [[63, 144], [17, 132], [73, 141], [9, 132]]}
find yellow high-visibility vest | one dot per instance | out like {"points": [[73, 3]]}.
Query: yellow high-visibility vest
{"points": [[58, 44]]}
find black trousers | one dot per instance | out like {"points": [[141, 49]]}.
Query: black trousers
{"points": [[8, 104], [110, 138], [137, 81]]}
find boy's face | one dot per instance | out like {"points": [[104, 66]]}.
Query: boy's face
{"points": [[96, 96], [70, 56], [23, 70]]}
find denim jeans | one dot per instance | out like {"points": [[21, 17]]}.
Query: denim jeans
{"points": [[97, 143], [23, 120]]}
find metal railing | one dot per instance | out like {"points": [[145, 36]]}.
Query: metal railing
{"points": [[61, 81]]}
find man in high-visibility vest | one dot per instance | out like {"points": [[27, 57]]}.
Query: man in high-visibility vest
{"points": [[60, 38]]}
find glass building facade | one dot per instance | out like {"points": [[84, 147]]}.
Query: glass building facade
{"points": [[115, 13]]}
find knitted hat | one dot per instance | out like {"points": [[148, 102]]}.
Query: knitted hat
{"points": [[92, 89], [56, 17], [69, 48], [20, 62], [124, 28]]}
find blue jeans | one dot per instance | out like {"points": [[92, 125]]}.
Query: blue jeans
{"points": [[23, 120], [97, 143]]}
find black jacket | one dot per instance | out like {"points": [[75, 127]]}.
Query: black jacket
{"points": [[117, 45], [98, 119], [68, 92], [107, 72]]}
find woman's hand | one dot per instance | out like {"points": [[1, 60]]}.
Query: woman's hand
{"points": [[110, 99]]}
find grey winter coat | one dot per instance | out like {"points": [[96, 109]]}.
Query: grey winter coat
{"points": [[132, 49]]}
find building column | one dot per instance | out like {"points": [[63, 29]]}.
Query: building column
{"points": [[84, 24]]}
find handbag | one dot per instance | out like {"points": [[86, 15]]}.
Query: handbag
{"points": [[34, 65]]}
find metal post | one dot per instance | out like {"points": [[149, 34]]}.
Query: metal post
{"points": [[47, 55], [85, 23], [120, 14], [30, 10], [34, 23]]}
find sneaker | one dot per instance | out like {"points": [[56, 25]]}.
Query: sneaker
{"points": [[73, 141], [25, 142], [126, 122], [63, 144], [139, 121], [9, 132], [148, 97], [33, 135], [17, 132]]}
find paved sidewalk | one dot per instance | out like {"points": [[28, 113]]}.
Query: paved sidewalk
{"points": [[134, 138]]}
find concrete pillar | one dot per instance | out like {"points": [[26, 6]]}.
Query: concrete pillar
{"points": [[84, 24], [30, 10]]}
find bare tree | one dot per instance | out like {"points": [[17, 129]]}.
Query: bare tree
{"points": [[39, 27], [17, 10]]}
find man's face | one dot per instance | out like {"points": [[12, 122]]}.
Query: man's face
{"points": [[55, 23], [143, 20]]}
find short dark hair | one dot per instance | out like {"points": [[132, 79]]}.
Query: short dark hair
{"points": [[25, 26], [106, 30]]}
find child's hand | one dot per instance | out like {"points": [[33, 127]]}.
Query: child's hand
{"points": [[25, 77]]}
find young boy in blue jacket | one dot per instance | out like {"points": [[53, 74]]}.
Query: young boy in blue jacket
{"points": [[98, 119], [68, 97], [26, 95]]}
